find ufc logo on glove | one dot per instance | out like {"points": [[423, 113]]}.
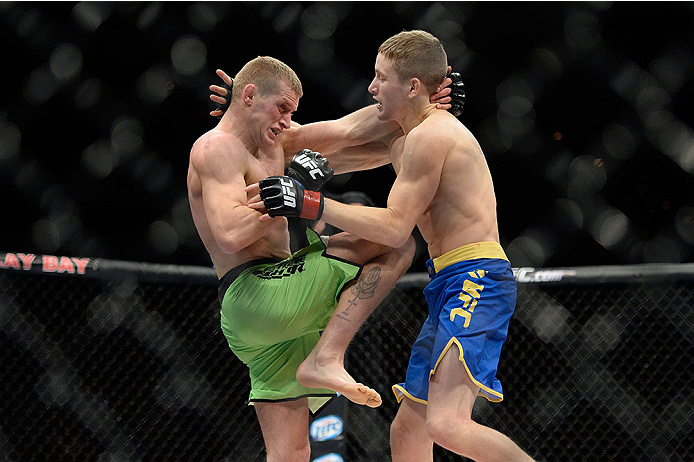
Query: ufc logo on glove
{"points": [[289, 194], [309, 164]]}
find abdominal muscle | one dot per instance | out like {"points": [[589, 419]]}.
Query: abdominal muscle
{"points": [[446, 227]]}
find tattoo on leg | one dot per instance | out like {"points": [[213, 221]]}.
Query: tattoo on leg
{"points": [[365, 288]]}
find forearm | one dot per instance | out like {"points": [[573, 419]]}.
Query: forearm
{"points": [[381, 225], [359, 158], [355, 129], [363, 126], [239, 229]]}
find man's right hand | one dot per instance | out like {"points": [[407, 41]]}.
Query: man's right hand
{"points": [[284, 196], [221, 95]]}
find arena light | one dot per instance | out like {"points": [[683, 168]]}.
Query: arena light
{"points": [[684, 224], [98, 160], [162, 237], [189, 55], [127, 135], [581, 31], [662, 248], [319, 21], [45, 235], [11, 141], [40, 86], [90, 15], [670, 69], [317, 53], [289, 16], [66, 62], [619, 141], [88, 93], [149, 16], [609, 227]]}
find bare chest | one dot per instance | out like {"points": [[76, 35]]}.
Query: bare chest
{"points": [[262, 166]]}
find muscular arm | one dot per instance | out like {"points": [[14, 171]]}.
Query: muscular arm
{"points": [[357, 141], [410, 196], [221, 166], [359, 158]]}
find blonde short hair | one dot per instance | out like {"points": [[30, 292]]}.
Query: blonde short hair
{"points": [[265, 73], [417, 54]]}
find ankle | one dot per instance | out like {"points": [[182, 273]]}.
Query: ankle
{"points": [[326, 358]]}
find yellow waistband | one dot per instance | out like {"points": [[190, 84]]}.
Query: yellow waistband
{"points": [[469, 252]]}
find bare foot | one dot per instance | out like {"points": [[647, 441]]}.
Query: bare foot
{"points": [[334, 377]]}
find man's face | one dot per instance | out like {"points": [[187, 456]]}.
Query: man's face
{"points": [[274, 112], [387, 90]]}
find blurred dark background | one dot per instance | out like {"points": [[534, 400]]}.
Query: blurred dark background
{"points": [[584, 111]]}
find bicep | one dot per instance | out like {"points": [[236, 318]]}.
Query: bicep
{"points": [[220, 198], [415, 186], [222, 184]]}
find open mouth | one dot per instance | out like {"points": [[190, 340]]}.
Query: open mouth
{"points": [[275, 132]]}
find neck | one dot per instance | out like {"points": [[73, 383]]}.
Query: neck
{"points": [[234, 122], [416, 115]]}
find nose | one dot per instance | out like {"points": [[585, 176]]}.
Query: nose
{"points": [[286, 121], [372, 87]]}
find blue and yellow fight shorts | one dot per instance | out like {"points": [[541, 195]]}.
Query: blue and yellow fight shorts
{"points": [[471, 297]]}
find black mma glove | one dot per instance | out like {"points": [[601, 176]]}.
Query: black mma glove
{"points": [[457, 94], [285, 196], [310, 169], [225, 106]]}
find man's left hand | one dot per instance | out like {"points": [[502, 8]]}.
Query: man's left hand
{"points": [[450, 95], [311, 169]]}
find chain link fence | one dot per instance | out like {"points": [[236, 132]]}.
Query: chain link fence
{"points": [[126, 362]]}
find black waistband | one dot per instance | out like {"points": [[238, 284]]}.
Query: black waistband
{"points": [[233, 273]]}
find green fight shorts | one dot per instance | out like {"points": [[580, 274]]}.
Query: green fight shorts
{"points": [[272, 315]]}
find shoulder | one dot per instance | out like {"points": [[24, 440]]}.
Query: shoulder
{"points": [[441, 130], [431, 132], [217, 149]]}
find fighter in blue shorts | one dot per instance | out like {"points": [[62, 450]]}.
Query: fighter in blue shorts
{"points": [[471, 297], [445, 188]]}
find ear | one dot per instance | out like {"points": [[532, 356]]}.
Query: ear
{"points": [[415, 87], [249, 91]]}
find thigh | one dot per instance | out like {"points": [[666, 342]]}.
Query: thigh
{"points": [[451, 390], [284, 425], [283, 301]]}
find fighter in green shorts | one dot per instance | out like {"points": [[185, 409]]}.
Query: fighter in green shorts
{"points": [[273, 312]]}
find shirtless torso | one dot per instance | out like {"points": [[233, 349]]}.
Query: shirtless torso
{"points": [[452, 219], [220, 156]]}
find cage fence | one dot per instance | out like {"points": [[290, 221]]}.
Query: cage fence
{"points": [[118, 361]]}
